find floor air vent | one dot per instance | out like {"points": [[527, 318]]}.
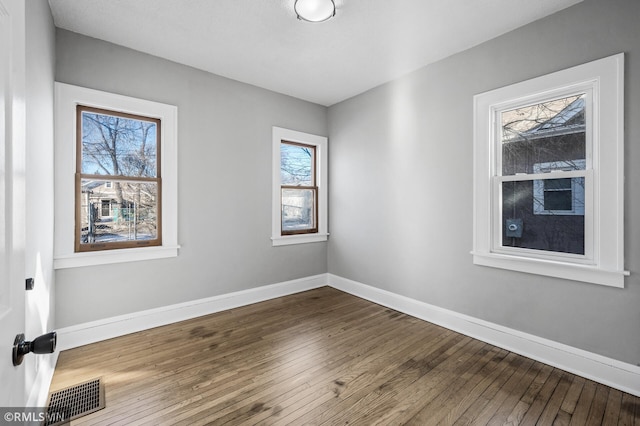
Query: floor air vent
{"points": [[75, 401]]}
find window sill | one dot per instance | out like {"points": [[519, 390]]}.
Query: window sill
{"points": [[298, 239], [78, 260], [584, 273]]}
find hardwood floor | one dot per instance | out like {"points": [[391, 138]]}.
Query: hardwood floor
{"points": [[326, 357]]}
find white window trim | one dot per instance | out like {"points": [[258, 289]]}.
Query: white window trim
{"points": [[67, 97], [280, 134], [577, 191], [605, 264]]}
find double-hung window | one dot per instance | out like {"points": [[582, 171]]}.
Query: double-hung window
{"points": [[118, 180], [548, 175], [299, 196], [115, 180], [541, 175], [299, 192]]}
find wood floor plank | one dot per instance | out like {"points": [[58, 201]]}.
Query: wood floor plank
{"points": [[337, 373], [629, 411], [402, 373], [326, 357], [374, 364], [495, 400], [596, 411], [542, 398], [242, 370], [612, 411], [562, 419], [407, 397], [552, 407], [478, 406], [571, 398], [511, 396], [231, 387], [581, 412], [519, 411], [238, 401], [460, 402], [437, 408]]}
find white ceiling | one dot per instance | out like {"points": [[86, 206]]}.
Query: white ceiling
{"points": [[260, 42]]}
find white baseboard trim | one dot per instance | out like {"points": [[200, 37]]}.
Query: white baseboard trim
{"points": [[95, 331], [608, 371]]}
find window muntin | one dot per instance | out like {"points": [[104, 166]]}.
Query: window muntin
{"points": [[125, 148], [299, 193]]}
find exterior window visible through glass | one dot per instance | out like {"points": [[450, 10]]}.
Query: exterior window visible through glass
{"points": [[299, 192], [557, 194], [118, 180], [106, 208], [543, 168]]}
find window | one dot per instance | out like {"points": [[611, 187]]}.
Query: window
{"points": [[548, 173], [106, 208], [558, 196], [299, 187], [124, 148], [299, 193], [116, 178]]}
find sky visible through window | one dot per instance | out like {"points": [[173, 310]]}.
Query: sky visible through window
{"points": [[113, 145], [296, 165]]}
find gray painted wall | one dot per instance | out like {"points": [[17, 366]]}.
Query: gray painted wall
{"points": [[224, 137], [40, 57], [398, 154], [401, 185]]}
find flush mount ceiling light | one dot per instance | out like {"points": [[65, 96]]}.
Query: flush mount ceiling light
{"points": [[315, 10]]}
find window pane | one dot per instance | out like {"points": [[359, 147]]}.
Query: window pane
{"points": [[548, 132], [557, 200], [557, 184], [126, 211], [563, 233], [114, 145], [296, 165], [298, 210]]}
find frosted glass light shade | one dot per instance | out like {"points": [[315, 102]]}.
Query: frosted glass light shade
{"points": [[315, 10]]}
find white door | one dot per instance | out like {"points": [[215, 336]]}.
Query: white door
{"points": [[12, 202]]}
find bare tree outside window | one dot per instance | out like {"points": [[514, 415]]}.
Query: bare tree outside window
{"points": [[118, 181]]}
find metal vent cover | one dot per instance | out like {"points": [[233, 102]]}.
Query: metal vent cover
{"points": [[75, 401]]}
